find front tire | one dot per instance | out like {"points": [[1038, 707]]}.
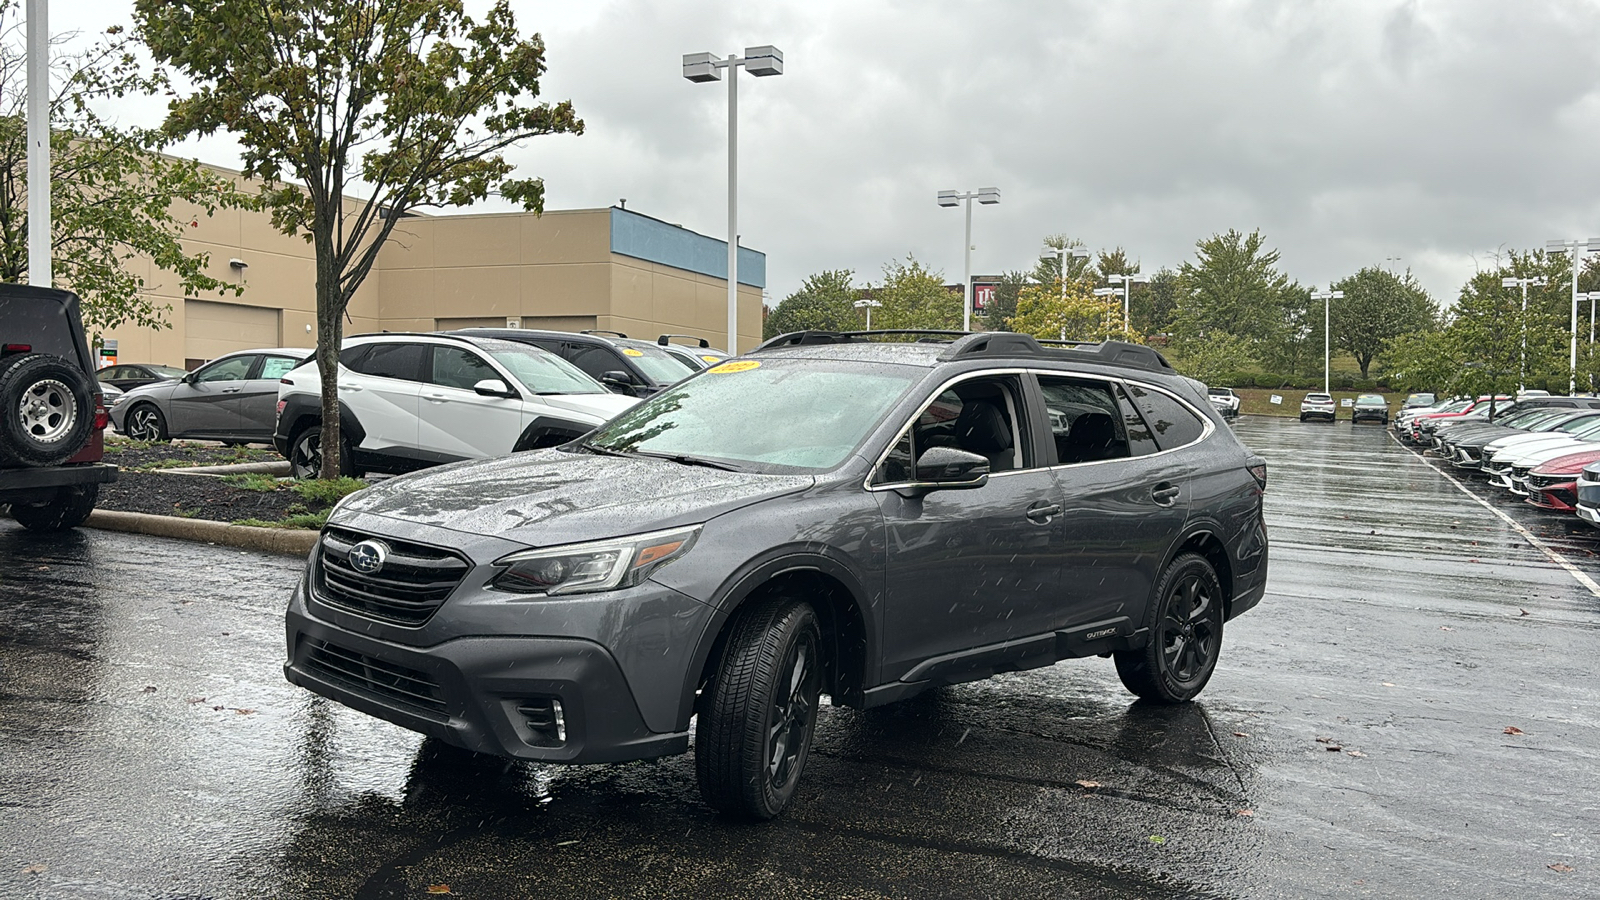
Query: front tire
{"points": [[1185, 635], [146, 423], [69, 508], [757, 715]]}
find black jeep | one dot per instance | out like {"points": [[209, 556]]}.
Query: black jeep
{"points": [[52, 417]]}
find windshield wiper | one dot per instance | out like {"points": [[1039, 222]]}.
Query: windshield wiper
{"points": [[687, 460], [592, 447]]}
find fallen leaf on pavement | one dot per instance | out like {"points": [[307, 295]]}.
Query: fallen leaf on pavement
{"points": [[1446, 628], [38, 869], [1324, 740], [195, 700], [1157, 839], [148, 689], [1240, 734], [1087, 784], [245, 712], [438, 888], [1512, 729], [1354, 753], [1247, 813], [1559, 867]]}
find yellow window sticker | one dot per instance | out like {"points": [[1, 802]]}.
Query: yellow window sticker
{"points": [[629, 351], [712, 359], [743, 365]]}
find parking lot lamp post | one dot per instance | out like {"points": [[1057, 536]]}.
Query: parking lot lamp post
{"points": [[1576, 248], [38, 135], [1591, 297], [987, 196], [759, 61], [1327, 332], [1539, 281], [1064, 254], [867, 305], [1106, 292], [1127, 282]]}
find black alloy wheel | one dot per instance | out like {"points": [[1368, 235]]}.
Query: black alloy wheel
{"points": [[305, 454], [145, 423], [1185, 635], [757, 716]]}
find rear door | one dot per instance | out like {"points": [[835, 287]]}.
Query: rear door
{"points": [[258, 398], [382, 391], [456, 421], [209, 405]]}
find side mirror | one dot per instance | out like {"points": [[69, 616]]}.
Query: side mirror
{"points": [[946, 468], [493, 387], [616, 378]]}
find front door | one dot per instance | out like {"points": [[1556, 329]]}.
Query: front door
{"points": [[457, 422], [975, 567]]}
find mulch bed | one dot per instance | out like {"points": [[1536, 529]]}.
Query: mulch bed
{"points": [[195, 496], [138, 455]]}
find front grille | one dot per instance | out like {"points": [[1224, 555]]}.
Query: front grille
{"points": [[374, 677], [1540, 482], [1520, 473], [414, 581]]}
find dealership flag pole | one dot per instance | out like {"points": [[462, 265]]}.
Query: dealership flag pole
{"points": [[39, 143]]}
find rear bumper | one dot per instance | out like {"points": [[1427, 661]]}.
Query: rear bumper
{"points": [[23, 484], [1317, 414]]}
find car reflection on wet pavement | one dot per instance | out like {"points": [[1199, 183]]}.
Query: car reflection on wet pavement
{"points": [[1354, 741]]}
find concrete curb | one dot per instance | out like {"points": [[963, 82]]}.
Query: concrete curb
{"points": [[292, 541], [278, 468]]}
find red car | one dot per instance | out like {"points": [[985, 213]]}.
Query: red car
{"points": [[1422, 426], [1553, 485]]}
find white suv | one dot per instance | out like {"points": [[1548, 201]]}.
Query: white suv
{"points": [[1317, 406], [407, 401], [1225, 400]]}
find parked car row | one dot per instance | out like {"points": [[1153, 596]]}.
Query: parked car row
{"points": [[1536, 447]]}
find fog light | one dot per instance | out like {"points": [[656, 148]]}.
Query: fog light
{"points": [[545, 718]]}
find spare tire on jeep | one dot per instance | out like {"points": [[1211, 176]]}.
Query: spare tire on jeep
{"points": [[46, 410]]}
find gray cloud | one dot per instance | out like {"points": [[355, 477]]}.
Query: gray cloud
{"points": [[1347, 130]]}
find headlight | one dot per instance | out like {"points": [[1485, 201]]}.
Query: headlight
{"points": [[598, 566]]}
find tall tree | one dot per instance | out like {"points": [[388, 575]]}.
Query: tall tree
{"points": [[1114, 262], [1049, 266], [914, 296], [114, 196], [1069, 312], [1004, 305], [1234, 286], [825, 302], [413, 100], [1378, 306], [1156, 305]]}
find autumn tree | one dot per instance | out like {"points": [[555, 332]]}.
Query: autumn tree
{"points": [[412, 101], [825, 302], [914, 296], [1377, 307], [1069, 311], [114, 197]]}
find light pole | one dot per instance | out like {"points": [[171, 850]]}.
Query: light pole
{"points": [[1064, 254], [1576, 248], [1537, 281], [988, 196], [39, 143], [868, 305], [1591, 296], [698, 67], [1327, 344], [1127, 282]]}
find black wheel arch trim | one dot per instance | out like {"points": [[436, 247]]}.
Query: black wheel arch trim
{"points": [[299, 407], [749, 578], [550, 425], [1194, 528]]}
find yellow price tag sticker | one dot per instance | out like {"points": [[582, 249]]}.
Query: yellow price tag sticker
{"points": [[712, 359], [728, 368], [629, 351]]}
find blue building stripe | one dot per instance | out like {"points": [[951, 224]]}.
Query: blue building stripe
{"points": [[642, 237]]}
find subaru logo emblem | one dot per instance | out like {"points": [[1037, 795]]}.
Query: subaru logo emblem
{"points": [[368, 557]]}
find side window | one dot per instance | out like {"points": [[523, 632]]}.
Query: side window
{"points": [[900, 465], [1085, 421], [1141, 442], [275, 367], [351, 357], [400, 361], [454, 367], [980, 416], [595, 359], [1173, 424], [231, 369]]}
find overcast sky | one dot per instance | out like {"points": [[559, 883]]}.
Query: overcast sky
{"points": [[1348, 131]]}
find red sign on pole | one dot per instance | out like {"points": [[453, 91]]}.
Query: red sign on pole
{"points": [[983, 291]]}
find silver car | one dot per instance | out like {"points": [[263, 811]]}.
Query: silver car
{"points": [[233, 399]]}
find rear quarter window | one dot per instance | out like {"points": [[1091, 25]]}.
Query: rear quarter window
{"points": [[1174, 425]]}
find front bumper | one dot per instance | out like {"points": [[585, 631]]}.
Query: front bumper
{"points": [[1559, 497], [1589, 514], [471, 675], [1359, 415], [1465, 458]]}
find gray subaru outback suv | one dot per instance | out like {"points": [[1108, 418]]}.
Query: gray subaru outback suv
{"points": [[833, 513]]}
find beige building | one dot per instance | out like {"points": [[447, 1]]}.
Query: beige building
{"points": [[569, 270]]}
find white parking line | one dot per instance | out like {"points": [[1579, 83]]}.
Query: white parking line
{"points": [[1555, 557]]}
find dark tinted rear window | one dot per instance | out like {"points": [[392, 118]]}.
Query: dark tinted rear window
{"points": [[1172, 422], [402, 361]]}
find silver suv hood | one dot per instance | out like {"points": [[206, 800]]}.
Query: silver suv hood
{"points": [[549, 497]]}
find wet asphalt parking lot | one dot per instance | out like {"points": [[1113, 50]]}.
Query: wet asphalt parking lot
{"points": [[1352, 743]]}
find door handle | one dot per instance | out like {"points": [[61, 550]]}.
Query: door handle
{"points": [[1164, 493], [349, 387], [438, 398], [1041, 513]]}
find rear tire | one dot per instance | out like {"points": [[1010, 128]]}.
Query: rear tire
{"points": [[69, 508], [757, 715], [146, 423], [305, 454], [1185, 635], [46, 410]]}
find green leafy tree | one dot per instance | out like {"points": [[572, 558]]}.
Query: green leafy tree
{"points": [[1114, 262], [1154, 307], [914, 296], [825, 302], [1004, 305], [1216, 356], [1233, 286], [1378, 306], [413, 100], [1298, 345], [1070, 312], [1423, 361], [114, 196], [1048, 268]]}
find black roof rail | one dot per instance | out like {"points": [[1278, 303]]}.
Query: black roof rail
{"points": [[812, 338], [666, 339], [598, 332], [1002, 344]]}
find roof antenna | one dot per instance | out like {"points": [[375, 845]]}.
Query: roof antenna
{"points": [[623, 202]]}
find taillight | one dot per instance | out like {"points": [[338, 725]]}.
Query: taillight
{"points": [[281, 405], [16, 348], [1259, 470], [286, 381], [101, 417]]}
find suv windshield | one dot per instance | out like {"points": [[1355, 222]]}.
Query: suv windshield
{"points": [[1371, 400], [540, 371], [773, 415], [661, 366]]}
